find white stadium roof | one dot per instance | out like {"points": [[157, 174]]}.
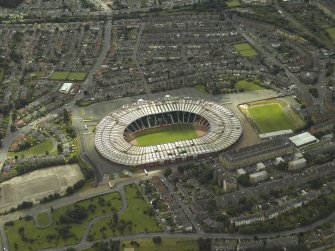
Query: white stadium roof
{"points": [[225, 129]]}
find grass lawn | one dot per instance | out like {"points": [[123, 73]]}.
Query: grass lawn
{"points": [[233, 3], [59, 75], [246, 85], [167, 134], [245, 50], [165, 245], [38, 149], [2, 74], [270, 118], [41, 238], [42, 219], [201, 89], [331, 32], [76, 76], [136, 213]]}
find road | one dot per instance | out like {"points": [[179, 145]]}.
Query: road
{"points": [[182, 204], [295, 22], [236, 236], [274, 60]]}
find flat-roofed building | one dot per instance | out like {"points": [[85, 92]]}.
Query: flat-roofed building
{"points": [[66, 87], [258, 177], [303, 139], [249, 155], [297, 164]]}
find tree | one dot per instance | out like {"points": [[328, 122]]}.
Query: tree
{"points": [[69, 190], [115, 217], [66, 115], [60, 147], [157, 240], [167, 172], [12, 128]]}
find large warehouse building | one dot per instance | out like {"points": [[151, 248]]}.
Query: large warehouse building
{"points": [[115, 133]]}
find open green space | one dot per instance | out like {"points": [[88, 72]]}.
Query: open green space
{"points": [[68, 224], [201, 89], [76, 76], [331, 32], [42, 219], [38, 149], [271, 117], [2, 74], [245, 50], [165, 245], [161, 135], [67, 75], [137, 218], [246, 85], [233, 3], [59, 75]]}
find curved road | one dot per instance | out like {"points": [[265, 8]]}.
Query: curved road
{"points": [[86, 244]]}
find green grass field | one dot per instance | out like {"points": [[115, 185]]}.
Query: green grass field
{"points": [[245, 50], [38, 149], [42, 219], [246, 85], [141, 222], [49, 237], [66, 75], [201, 89], [2, 74], [331, 32], [165, 245], [76, 76], [167, 134], [59, 75], [271, 117], [233, 3]]}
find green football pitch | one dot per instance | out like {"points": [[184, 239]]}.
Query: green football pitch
{"points": [[270, 118], [173, 133]]}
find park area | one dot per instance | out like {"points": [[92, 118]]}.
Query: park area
{"points": [[138, 217], [164, 245], [47, 146], [272, 115], [331, 32], [2, 74], [247, 85], [245, 50], [67, 75], [161, 135], [233, 3], [67, 227]]}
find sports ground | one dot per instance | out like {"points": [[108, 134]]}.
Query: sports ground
{"points": [[161, 135], [245, 50], [272, 115], [66, 75]]}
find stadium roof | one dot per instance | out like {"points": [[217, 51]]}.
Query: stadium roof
{"points": [[225, 129], [303, 139]]}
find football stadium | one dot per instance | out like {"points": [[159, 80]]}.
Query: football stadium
{"points": [[166, 130]]}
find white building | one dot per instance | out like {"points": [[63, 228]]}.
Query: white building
{"points": [[66, 87], [257, 177], [303, 139], [297, 164]]}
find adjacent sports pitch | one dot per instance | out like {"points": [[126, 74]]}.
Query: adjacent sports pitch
{"points": [[66, 75], [248, 86], [331, 32], [271, 116], [245, 50], [233, 3], [173, 133]]}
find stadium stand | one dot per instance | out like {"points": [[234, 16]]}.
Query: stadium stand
{"points": [[116, 130]]}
